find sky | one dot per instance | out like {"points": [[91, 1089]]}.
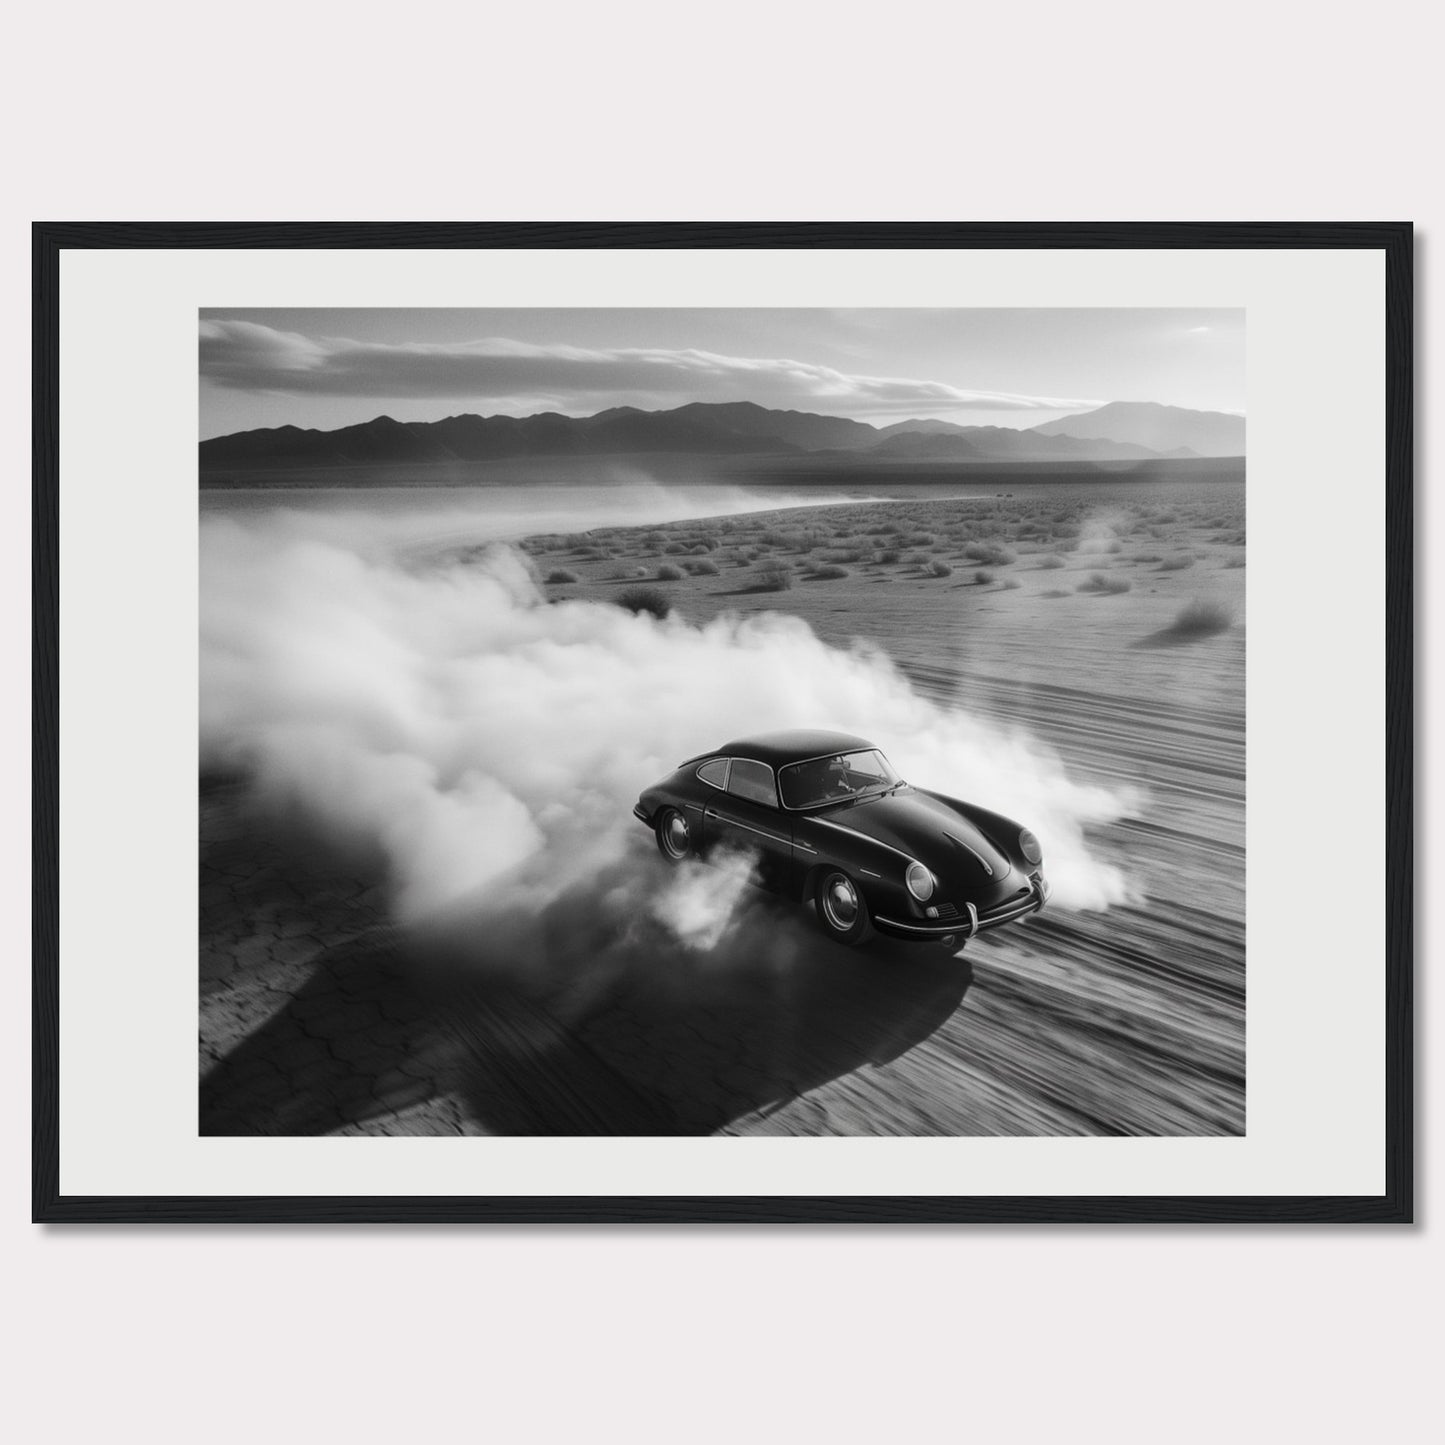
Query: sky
{"points": [[977, 367]]}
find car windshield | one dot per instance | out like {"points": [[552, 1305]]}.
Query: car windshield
{"points": [[833, 780]]}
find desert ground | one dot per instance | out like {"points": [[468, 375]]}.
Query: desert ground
{"points": [[1107, 620]]}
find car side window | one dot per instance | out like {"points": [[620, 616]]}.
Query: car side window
{"points": [[753, 781], [715, 772]]}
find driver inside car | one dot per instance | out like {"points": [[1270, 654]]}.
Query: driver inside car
{"points": [[839, 779]]}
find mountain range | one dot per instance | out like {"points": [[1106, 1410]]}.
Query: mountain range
{"points": [[1119, 431]]}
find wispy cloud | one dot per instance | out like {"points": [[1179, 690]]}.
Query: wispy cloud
{"points": [[498, 371]]}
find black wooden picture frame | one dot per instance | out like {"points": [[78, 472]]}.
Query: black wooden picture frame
{"points": [[1394, 1205]]}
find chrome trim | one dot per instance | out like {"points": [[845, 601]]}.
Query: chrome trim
{"points": [[738, 823], [1032, 904], [706, 762], [828, 823], [804, 847], [974, 925], [818, 758], [871, 873], [639, 814], [934, 930], [757, 762], [969, 848]]}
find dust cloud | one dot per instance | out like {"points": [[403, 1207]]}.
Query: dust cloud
{"points": [[488, 747]]}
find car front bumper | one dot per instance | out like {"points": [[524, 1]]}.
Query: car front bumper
{"points": [[973, 921]]}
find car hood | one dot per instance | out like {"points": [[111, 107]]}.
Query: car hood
{"points": [[926, 829]]}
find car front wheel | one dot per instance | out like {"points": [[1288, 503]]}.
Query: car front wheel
{"points": [[842, 909], [674, 837]]}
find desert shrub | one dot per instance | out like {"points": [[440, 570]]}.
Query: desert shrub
{"points": [[889, 555], [1055, 593], [628, 574], [938, 568], [1102, 582], [1202, 619], [842, 554], [989, 552], [705, 567], [1009, 583], [655, 540], [675, 549], [1235, 562], [668, 573], [644, 599], [559, 575], [895, 529], [983, 577], [1051, 563], [921, 539], [829, 572], [1148, 557], [1177, 563], [775, 578]]}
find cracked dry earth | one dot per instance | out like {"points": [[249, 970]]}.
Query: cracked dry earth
{"points": [[319, 1017]]}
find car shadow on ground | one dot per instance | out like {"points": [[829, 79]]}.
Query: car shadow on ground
{"points": [[586, 1017]]}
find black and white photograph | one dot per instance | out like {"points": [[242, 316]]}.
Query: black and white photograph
{"points": [[722, 721], [722, 728]]}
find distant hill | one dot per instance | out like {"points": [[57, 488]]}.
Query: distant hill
{"points": [[998, 443], [698, 428], [930, 426], [803, 429], [1163, 429], [726, 429]]}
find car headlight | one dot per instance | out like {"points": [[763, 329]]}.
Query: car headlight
{"points": [[1029, 847], [921, 882]]}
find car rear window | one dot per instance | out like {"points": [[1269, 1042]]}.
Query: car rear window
{"points": [[753, 781], [715, 772]]}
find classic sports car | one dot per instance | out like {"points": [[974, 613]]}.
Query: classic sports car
{"points": [[832, 823]]}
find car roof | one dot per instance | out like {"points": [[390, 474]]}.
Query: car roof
{"points": [[780, 748]]}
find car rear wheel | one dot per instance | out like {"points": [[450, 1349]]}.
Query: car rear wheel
{"points": [[674, 837], [842, 909]]}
